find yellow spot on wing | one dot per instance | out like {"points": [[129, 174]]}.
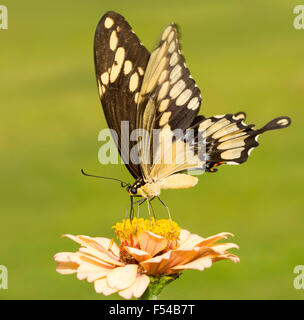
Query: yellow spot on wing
{"points": [[108, 23], [113, 40], [232, 154], [118, 61], [133, 82], [164, 118]]}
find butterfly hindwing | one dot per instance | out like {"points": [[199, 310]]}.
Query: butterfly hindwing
{"points": [[229, 140], [120, 62]]}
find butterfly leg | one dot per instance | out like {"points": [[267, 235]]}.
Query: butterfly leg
{"points": [[140, 203], [148, 202], [131, 204], [166, 208], [153, 212]]}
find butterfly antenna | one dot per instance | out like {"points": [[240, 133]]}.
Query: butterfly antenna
{"points": [[122, 183]]}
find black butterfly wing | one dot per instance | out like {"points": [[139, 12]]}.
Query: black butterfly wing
{"points": [[228, 140], [120, 62]]}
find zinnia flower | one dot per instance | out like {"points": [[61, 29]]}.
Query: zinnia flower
{"points": [[150, 252]]}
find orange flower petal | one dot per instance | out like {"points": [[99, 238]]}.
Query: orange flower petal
{"points": [[101, 286], [151, 243], [138, 254], [156, 265], [210, 240], [121, 278], [198, 264], [182, 256]]}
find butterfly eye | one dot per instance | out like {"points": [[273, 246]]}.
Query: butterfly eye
{"points": [[133, 190]]}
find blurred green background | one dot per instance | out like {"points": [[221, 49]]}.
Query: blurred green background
{"points": [[244, 57]]}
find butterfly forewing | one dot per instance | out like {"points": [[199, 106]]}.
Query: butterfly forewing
{"points": [[168, 83], [120, 62], [169, 98]]}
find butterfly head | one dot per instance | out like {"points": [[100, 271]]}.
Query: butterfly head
{"points": [[133, 189]]}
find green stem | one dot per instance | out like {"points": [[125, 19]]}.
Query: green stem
{"points": [[156, 286], [148, 295]]}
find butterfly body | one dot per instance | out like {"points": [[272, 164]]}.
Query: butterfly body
{"points": [[155, 92], [149, 190]]}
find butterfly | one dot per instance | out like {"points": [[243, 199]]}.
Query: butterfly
{"points": [[157, 92]]}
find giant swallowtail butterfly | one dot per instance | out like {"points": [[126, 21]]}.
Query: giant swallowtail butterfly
{"points": [[156, 91]]}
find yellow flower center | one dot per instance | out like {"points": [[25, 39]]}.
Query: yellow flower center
{"points": [[128, 229]]}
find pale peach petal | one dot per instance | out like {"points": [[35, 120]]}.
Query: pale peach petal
{"points": [[183, 236], [126, 293], [228, 256], [152, 243], [98, 244], [63, 256], [110, 245], [66, 267], [74, 257], [101, 286], [86, 258], [221, 248], [137, 289], [121, 278], [64, 263], [210, 240], [191, 242], [91, 272], [140, 285], [97, 275], [75, 238], [100, 256], [198, 264], [138, 254]]}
